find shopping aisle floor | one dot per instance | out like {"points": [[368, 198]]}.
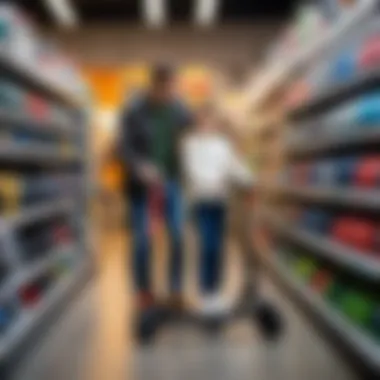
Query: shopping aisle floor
{"points": [[93, 341]]}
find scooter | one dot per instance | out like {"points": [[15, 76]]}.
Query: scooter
{"points": [[250, 303]]}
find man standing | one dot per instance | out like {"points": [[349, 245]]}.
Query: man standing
{"points": [[151, 128]]}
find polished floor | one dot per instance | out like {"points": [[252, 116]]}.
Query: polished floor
{"points": [[93, 340]]}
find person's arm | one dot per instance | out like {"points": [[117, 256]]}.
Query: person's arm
{"points": [[128, 154], [187, 158], [137, 165], [240, 172]]}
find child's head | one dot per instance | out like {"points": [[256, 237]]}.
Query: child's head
{"points": [[207, 118]]}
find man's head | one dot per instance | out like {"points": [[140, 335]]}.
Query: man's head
{"points": [[162, 83]]}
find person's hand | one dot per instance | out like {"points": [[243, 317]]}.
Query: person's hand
{"points": [[149, 173]]}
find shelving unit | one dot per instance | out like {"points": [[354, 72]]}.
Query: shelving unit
{"points": [[272, 77], [36, 154], [25, 275], [329, 143], [23, 122], [338, 93], [33, 319], [19, 72], [44, 211], [365, 266], [359, 344], [20, 158], [362, 199], [287, 142]]}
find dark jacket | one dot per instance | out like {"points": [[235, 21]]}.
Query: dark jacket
{"points": [[136, 143]]}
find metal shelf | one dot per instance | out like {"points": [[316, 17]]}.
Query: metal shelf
{"points": [[33, 270], [279, 73], [364, 199], [11, 119], [338, 93], [366, 267], [34, 154], [353, 138], [30, 320], [363, 347], [41, 266], [46, 210], [25, 75]]}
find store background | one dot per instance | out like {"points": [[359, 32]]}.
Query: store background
{"points": [[259, 62]]}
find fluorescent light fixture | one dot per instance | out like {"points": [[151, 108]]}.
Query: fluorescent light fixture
{"points": [[63, 12], [154, 12], [206, 11]]}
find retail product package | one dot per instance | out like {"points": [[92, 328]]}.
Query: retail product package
{"points": [[17, 37]]}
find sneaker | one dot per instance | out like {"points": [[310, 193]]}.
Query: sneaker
{"points": [[269, 319], [214, 305], [148, 318]]}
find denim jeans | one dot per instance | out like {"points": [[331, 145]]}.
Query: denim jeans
{"points": [[210, 220], [141, 236]]}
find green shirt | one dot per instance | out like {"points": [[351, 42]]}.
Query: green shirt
{"points": [[164, 140]]}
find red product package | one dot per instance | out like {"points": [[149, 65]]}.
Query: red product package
{"points": [[356, 233], [367, 174], [302, 174], [369, 56], [30, 295], [36, 107]]}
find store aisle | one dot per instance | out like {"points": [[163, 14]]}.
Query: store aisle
{"points": [[92, 342]]}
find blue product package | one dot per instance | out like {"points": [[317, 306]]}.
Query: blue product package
{"points": [[22, 137], [342, 119], [317, 220], [7, 314], [368, 111], [4, 319], [343, 67], [325, 173], [344, 170], [11, 97]]}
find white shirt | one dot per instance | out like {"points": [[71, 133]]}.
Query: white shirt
{"points": [[211, 167]]}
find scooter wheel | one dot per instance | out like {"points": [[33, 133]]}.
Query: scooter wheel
{"points": [[269, 320], [147, 325]]}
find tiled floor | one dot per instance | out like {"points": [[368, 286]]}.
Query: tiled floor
{"points": [[93, 341]]}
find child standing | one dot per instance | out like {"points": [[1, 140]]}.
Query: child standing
{"points": [[211, 167]]}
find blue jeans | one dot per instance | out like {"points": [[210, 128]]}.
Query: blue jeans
{"points": [[173, 215], [210, 220]]}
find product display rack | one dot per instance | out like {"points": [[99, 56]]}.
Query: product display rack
{"points": [[364, 138], [18, 72], [330, 96], [23, 122], [365, 267], [40, 155], [274, 76], [355, 342], [361, 199], [74, 257], [275, 191]]}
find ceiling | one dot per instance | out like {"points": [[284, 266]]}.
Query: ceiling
{"points": [[179, 10]]}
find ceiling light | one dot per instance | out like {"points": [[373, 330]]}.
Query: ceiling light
{"points": [[154, 12], [63, 12], [206, 11]]}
